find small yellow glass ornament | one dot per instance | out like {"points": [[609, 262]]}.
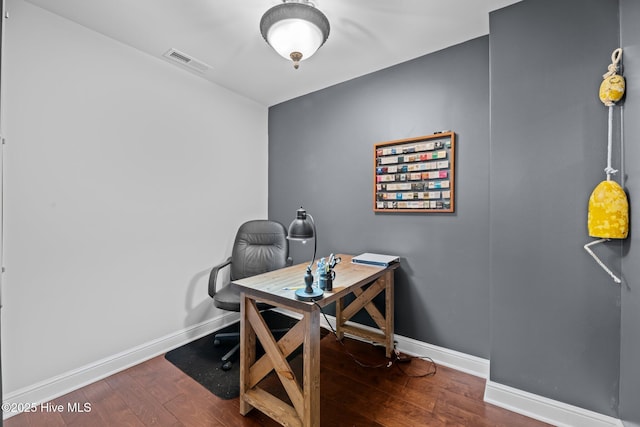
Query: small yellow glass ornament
{"points": [[612, 89], [613, 86]]}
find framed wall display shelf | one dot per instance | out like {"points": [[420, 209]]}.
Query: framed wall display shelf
{"points": [[415, 174]]}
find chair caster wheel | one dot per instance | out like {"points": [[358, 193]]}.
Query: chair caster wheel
{"points": [[227, 365], [216, 342]]}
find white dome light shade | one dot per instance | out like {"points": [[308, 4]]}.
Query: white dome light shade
{"points": [[294, 35], [294, 30]]}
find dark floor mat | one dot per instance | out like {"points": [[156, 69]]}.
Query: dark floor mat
{"points": [[201, 359]]}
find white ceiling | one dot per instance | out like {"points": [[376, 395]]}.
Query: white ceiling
{"points": [[366, 35]]}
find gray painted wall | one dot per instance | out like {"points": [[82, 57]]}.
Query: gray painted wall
{"points": [[555, 316], [630, 333], [321, 156], [505, 277]]}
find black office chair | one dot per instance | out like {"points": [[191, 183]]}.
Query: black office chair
{"points": [[260, 246]]}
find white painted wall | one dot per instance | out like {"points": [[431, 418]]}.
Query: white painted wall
{"points": [[125, 180]]}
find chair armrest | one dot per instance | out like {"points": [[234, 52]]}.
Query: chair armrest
{"points": [[289, 261], [213, 276]]}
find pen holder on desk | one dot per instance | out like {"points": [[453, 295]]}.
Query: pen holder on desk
{"points": [[325, 281]]}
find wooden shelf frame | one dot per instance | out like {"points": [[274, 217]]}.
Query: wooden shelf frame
{"points": [[415, 175]]}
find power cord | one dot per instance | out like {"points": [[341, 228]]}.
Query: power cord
{"points": [[344, 347], [407, 359], [396, 358]]}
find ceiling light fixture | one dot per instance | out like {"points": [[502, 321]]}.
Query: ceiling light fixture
{"points": [[295, 29]]}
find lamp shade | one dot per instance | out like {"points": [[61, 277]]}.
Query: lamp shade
{"points": [[608, 215], [295, 30], [301, 228]]}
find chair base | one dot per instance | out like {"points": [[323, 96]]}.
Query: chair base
{"points": [[226, 362]]}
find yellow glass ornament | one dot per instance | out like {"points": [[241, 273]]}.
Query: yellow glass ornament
{"points": [[608, 216], [612, 89]]}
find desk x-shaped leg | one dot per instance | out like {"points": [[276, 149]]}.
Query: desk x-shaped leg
{"points": [[305, 397], [364, 299]]}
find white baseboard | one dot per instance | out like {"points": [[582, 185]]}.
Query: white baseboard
{"points": [[49, 389], [442, 356], [467, 363], [550, 411], [547, 410], [528, 404]]}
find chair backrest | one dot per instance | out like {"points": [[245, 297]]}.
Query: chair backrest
{"points": [[260, 246]]}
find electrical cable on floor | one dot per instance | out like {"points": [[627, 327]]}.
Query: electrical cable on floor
{"points": [[395, 360], [409, 358]]}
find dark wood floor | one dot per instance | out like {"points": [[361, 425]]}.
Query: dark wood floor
{"points": [[155, 393]]}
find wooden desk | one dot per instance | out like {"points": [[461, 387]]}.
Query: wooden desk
{"points": [[268, 288]]}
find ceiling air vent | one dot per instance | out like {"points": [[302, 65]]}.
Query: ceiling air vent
{"points": [[186, 60]]}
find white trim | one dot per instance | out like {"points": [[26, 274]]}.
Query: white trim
{"points": [[541, 408], [442, 356], [466, 363], [512, 399], [49, 389]]}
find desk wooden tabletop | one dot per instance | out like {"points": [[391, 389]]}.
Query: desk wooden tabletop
{"points": [[280, 285]]}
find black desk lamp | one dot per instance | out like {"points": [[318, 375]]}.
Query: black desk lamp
{"points": [[303, 228]]}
